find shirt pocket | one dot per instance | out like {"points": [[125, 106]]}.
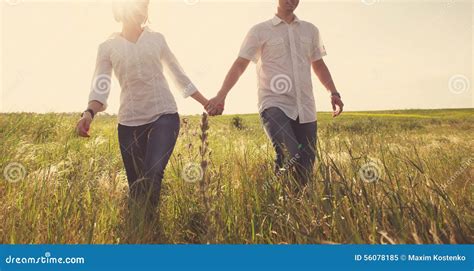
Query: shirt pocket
{"points": [[306, 44], [274, 48]]}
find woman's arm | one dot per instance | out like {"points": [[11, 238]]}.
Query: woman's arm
{"points": [[100, 90], [200, 98], [180, 78], [83, 125], [95, 106]]}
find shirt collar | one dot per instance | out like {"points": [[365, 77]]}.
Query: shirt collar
{"points": [[277, 20], [146, 28]]}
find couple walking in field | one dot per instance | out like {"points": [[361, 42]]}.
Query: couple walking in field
{"points": [[284, 49]]}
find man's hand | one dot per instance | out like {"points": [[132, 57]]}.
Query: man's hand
{"points": [[215, 106], [83, 125], [337, 105]]}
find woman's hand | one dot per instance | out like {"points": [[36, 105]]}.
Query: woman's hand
{"points": [[83, 125], [215, 106]]}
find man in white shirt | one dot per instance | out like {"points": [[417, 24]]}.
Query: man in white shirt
{"points": [[284, 49]]}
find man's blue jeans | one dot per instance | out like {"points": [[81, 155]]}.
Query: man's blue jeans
{"points": [[294, 143]]}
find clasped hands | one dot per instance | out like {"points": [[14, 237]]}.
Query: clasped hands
{"points": [[215, 106]]}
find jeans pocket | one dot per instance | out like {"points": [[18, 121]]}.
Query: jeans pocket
{"points": [[264, 115]]}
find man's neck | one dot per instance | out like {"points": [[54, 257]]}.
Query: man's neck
{"points": [[286, 16]]}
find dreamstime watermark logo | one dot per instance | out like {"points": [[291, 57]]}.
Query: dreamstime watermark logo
{"points": [[191, 2], [281, 84], [288, 165], [192, 172], [370, 172], [46, 259], [370, 2], [189, 89], [463, 167], [14, 172], [101, 84], [19, 78], [450, 3], [13, 2], [459, 83]]}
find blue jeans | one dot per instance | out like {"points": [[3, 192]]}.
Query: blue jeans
{"points": [[146, 150], [294, 143]]}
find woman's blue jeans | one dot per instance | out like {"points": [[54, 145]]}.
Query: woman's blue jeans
{"points": [[146, 150]]}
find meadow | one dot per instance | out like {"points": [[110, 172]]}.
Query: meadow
{"points": [[391, 177]]}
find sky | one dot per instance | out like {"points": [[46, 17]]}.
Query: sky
{"points": [[382, 54]]}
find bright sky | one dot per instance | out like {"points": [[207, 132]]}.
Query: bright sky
{"points": [[382, 54]]}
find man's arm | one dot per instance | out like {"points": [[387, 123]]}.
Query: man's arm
{"points": [[216, 104], [323, 74]]}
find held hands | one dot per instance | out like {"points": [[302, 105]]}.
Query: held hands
{"points": [[215, 106]]}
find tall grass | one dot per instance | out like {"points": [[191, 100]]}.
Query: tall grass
{"points": [[381, 177]]}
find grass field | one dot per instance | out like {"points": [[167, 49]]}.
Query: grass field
{"points": [[381, 177]]}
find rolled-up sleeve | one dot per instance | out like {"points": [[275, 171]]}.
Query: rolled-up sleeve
{"points": [[181, 80], [250, 48], [318, 46], [102, 78]]}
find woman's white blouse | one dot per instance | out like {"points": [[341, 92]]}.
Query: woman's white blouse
{"points": [[138, 67]]}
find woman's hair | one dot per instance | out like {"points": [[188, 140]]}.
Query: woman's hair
{"points": [[126, 8]]}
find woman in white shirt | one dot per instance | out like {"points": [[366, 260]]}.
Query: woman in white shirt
{"points": [[148, 120]]}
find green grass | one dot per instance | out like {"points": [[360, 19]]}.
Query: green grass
{"points": [[74, 190]]}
